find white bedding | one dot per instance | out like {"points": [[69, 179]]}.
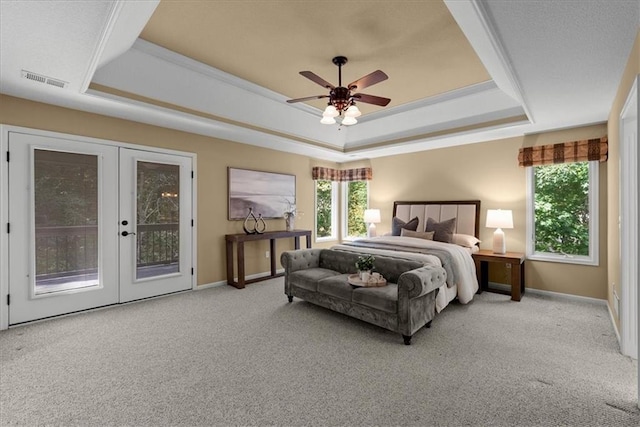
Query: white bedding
{"points": [[466, 284]]}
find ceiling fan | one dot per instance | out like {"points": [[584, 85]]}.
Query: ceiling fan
{"points": [[341, 97]]}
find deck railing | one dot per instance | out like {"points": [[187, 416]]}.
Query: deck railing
{"points": [[158, 244], [73, 250]]}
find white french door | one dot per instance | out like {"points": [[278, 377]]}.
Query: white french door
{"points": [[93, 225], [155, 224]]}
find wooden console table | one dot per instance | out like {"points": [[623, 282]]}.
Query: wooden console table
{"points": [[272, 236], [514, 261]]}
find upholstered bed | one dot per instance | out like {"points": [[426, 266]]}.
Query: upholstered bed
{"points": [[452, 252]]}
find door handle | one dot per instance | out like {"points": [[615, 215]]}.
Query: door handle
{"points": [[126, 233]]}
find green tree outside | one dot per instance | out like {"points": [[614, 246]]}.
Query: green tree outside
{"points": [[357, 197], [561, 209], [323, 208]]}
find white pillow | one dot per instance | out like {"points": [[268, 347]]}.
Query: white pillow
{"points": [[465, 240]]}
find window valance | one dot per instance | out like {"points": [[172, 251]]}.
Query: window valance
{"points": [[329, 174], [567, 152]]}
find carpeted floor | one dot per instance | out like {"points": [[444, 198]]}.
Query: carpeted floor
{"points": [[223, 356]]}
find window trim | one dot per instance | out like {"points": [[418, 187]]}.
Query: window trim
{"points": [[334, 212], [594, 223], [344, 211]]}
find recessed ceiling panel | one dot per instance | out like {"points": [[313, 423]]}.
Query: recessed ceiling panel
{"points": [[417, 43]]}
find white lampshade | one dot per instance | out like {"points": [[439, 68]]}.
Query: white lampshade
{"points": [[499, 219], [327, 120], [353, 111], [372, 216], [330, 111], [349, 121]]}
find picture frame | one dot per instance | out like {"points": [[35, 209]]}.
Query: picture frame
{"points": [[270, 194]]}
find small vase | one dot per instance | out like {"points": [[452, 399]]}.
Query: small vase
{"points": [[261, 226], [250, 222], [290, 222]]}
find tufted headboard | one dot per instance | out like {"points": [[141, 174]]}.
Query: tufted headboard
{"points": [[467, 213]]}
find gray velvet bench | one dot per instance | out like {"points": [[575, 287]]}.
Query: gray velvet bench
{"points": [[404, 305]]}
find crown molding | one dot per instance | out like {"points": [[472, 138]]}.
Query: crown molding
{"points": [[126, 21], [432, 100], [216, 74], [473, 19], [168, 79]]}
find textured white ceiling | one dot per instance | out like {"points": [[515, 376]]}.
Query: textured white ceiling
{"points": [[56, 39], [568, 56]]}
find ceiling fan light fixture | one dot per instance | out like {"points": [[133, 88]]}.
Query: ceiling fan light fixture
{"points": [[327, 120], [330, 111], [341, 100], [349, 120], [353, 111]]}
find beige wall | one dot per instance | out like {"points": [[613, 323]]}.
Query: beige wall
{"points": [[485, 171], [490, 172], [214, 156], [613, 201]]}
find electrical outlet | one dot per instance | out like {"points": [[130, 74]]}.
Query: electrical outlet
{"points": [[266, 254]]}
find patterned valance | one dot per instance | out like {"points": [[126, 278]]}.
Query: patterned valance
{"points": [[574, 151], [360, 174]]}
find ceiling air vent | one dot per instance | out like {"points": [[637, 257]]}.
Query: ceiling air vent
{"points": [[43, 79]]}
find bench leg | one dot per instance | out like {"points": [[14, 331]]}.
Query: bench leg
{"points": [[407, 339], [290, 298]]}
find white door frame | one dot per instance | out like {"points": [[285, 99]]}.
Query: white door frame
{"points": [[630, 226], [4, 201], [4, 237]]}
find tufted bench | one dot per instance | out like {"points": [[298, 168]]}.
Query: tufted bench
{"points": [[405, 305]]}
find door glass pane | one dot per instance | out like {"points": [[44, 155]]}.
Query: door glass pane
{"points": [[158, 218], [66, 221]]}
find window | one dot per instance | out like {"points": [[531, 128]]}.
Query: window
{"points": [[355, 201], [326, 210], [562, 213]]}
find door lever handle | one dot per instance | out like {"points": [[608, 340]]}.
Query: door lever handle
{"points": [[126, 233]]}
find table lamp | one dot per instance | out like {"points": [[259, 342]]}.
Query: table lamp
{"points": [[499, 219], [372, 217]]}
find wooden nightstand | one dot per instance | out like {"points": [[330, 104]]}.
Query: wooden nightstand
{"points": [[514, 261]]}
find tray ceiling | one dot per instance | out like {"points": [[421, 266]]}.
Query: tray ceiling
{"points": [[418, 44], [460, 71]]}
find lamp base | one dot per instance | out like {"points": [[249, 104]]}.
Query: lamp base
{"points": [[371, 232], [499, 244]]}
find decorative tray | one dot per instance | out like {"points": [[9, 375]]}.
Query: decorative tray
{"points": [[354, 279]]}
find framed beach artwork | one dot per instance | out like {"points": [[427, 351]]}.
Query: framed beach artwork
{"points": [[269, 194]]}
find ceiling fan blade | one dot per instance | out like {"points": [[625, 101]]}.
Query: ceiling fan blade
{"points": [[316, 78], [372, 99], [368, 80], [308, 98]]}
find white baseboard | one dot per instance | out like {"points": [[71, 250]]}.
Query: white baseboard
{"points": [[224, 282], [615, 327], [210, 285], [550, 294]]}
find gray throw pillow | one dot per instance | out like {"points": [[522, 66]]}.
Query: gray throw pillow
{"points": [[397, 225], [417, 234], [444, 230]]}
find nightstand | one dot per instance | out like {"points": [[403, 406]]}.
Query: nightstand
{"points": [[514, 261]]}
